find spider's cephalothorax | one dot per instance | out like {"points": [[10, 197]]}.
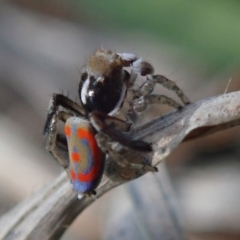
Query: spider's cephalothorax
{"points": [[102, 85], [92, 126]]}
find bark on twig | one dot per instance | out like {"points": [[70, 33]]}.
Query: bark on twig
{"points": [[47, 214]]}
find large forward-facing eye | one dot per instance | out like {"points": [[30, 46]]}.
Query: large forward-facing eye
{"points": [[84, 76], [100, 79]]}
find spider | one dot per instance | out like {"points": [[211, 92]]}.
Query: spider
{"points": [[108, 100]]}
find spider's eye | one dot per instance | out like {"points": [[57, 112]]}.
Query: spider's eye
{"points": [[84, 76], [100, 79], [101, 93], [92, 80]]}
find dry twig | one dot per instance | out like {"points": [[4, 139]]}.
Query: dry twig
{"points": [[47, 214]]}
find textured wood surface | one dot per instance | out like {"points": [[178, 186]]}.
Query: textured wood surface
{"points": [[49, 212]]}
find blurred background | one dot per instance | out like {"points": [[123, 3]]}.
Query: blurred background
{"points": [[43, 44]]}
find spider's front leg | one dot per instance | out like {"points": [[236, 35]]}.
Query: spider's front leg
{"points": [[59, 100], [53, 138], [108, 133]]}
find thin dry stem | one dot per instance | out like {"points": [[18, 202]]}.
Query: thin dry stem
{"points": [[47, 214]]}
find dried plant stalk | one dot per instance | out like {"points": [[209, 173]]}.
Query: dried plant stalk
{"points": [[47, 214]]}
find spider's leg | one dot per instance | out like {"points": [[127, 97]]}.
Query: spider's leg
{"points": [[53, 138], [152, 80], [61, 142], [109, 132], [144, 68], [113, 128], [141, 103], [104, 120], [103, 142], [59, 100]]}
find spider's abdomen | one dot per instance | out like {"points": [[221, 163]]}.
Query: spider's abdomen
{"points": [[86, 159]]}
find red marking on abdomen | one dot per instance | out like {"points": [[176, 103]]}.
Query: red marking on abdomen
{"points": [[83, 134], [75, 157], [93, 174], [97, 155], [67, 130], [73, 175]]}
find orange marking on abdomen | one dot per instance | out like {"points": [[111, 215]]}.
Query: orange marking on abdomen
{"points": [[96, 153], [75, 157], [73, 175], [67, 130], [83, 134], [93, 174]]}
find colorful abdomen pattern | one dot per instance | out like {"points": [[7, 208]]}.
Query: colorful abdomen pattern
{"points": [[86, 159]]}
